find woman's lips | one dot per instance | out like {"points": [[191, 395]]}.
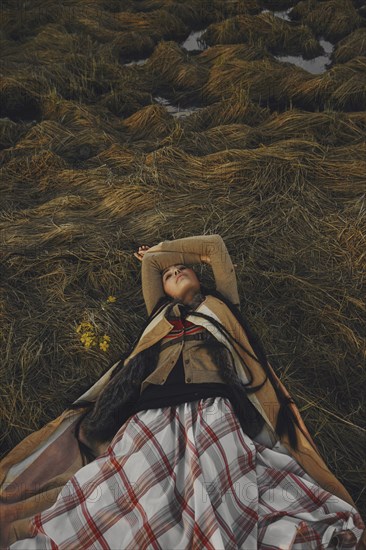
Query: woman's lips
{"points": [[182, 275]]}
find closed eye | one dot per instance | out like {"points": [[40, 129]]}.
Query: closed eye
{"points": [[169, 273]]}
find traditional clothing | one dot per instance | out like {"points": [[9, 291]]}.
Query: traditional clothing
{"points": [[150, 486], [187, 476]]}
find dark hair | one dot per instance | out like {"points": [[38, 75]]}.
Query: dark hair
{"points": [[103, 418], [286, 419]]}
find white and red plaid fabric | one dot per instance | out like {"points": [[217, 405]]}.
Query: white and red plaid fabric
{"points": [[187, 476]]}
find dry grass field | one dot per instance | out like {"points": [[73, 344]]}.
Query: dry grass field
{"points": [[129, 122]]}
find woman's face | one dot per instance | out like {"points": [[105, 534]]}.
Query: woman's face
{"points": [[180, 281]]}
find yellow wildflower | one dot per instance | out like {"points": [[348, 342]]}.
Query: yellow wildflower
{"points": [[111, 299], [84, 325], [89, 338], [103, 346]]}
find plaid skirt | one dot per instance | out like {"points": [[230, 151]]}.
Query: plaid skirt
{"points": [[187, 476]]}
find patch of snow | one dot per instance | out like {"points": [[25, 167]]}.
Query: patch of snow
{"points": [[283, 14], [194, 42], [328, 47], [317, 65], [174, 110], [139, 62]]}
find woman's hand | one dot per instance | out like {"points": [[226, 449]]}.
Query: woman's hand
{"points": [[141, 251], [206, 259]]}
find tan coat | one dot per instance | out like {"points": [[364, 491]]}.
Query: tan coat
{"points": [[265, 400]]}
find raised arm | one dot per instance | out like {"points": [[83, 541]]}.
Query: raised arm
{"points": [[188, 251]]}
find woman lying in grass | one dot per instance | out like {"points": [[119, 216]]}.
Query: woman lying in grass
{"points": [[191, 440]]}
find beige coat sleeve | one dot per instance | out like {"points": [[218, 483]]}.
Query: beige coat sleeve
{"points": [[188, 251]]}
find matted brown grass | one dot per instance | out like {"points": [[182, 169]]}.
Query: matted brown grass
{"points": [[332, 19], [351, 46], [278, 35]]}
